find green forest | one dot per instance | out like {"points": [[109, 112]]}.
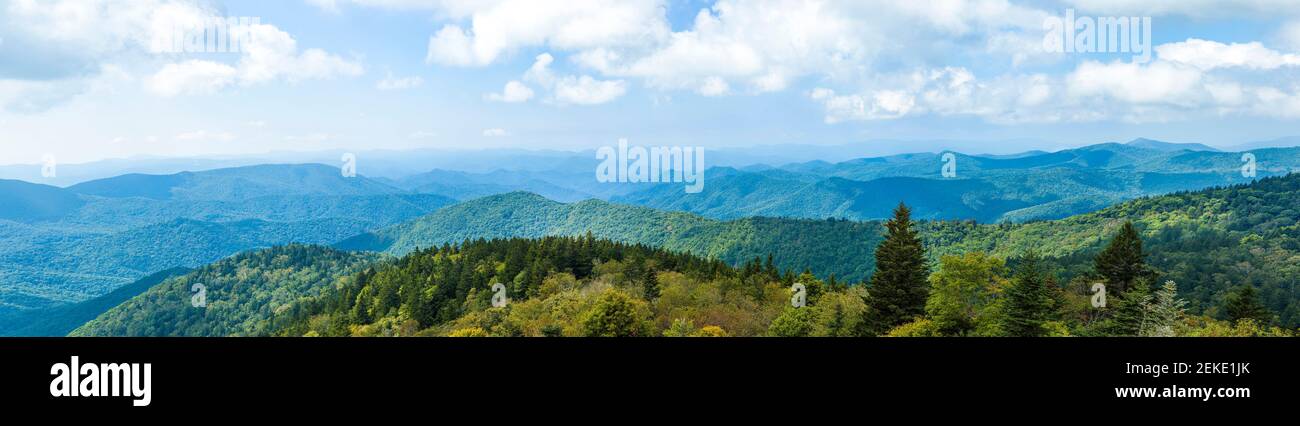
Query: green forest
{"points": [[1217, 262], [582, 286]]}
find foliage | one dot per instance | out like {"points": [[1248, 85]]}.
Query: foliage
{"points": [[898, 287], [1163, 313], [616, 315], [1243, 303], [1029, 302], [963, 291], [250, 294]]}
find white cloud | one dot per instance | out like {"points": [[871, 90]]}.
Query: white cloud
{"points": [[191, 77], [495, 133], [74, 40], [714, 86], [1208, 55], [423, 134], [399, 83], [585, 90], [565, 89], [1159, 82], [501, 26], [271, 54], [514, 92], [880, 105]]}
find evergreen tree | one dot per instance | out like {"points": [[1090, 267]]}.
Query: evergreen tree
{"points": [[1123, 261], [1130, 310], [898, 286], [1244, 303], [1028, 303], [651, 285], [1163, 312]]}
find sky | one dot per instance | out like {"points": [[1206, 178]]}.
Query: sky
{"points": [[83, 80]]}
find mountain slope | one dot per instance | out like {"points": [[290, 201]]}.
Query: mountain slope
{"points": [[61, 320], [1201, 239], [1206, 241], [102, 234], [239, 183], [244, 294], [22, 201], [798, 243], [1169, 146]]}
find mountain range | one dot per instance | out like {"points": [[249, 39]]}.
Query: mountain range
{"points": [[62, 246], [1207, 242], [66, 245]]}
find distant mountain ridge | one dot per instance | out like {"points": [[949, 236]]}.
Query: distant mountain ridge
{"points": [[1169, 146], [988, 189], [65, 245]]}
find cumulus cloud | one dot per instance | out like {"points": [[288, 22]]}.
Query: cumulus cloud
{"points": [[564, 89], [1159, 82], [585, 90], [499, 27], [1208, 55], [191, 77], [270, 55], [73, 41], [514, 92]]}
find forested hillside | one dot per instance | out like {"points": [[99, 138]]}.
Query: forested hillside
{"points": [[61, 320], [796, 244], [1207, 241], [1217, 262], [582, 286], [242, 295], [61, 246]]}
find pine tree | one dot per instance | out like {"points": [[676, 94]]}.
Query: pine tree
{"points": [[1163, 312], [898, 286], [1122, 262], [1130, 310], [1028, 300], [1244, 303], [651, 285]]}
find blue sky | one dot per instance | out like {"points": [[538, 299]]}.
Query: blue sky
{"points": [[78, 80]]}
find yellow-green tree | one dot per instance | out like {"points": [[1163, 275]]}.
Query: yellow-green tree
{"points": [[962, 292]]}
